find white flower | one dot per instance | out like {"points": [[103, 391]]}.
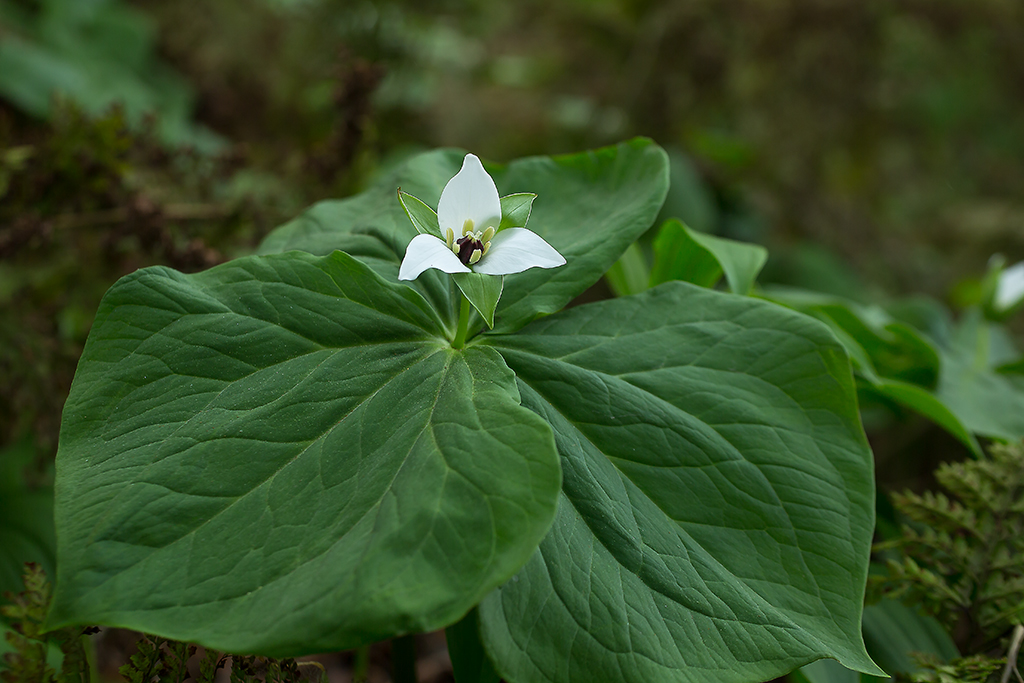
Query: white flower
{"points": [[1009, 288], [468, 215]]}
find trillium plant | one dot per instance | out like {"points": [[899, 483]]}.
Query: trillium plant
{"points": [[388, 421]]}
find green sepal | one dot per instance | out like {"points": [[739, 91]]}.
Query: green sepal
{"points": [[684, 254], [483, 291], [516, 209], [423, 218]]}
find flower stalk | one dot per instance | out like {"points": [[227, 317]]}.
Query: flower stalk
{"points": [[463, 327]]}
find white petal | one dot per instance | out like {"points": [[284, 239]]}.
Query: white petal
{"points": [[427, 251], [469, 195], [1010, 287], [513, 250]]}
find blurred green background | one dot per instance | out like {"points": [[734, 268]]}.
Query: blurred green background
{"points": [[875, 147]]}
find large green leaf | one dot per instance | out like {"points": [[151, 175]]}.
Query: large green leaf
{"points": [[284, 455], [717, 503], [988, 402], [684, 254], [893, 391], [590, 207], [980, 382]]}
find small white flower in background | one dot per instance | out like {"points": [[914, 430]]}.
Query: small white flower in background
{"points": [[468, 215], [1009, 288]]}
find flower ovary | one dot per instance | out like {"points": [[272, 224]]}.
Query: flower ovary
{"points": [[466, 247], [473, 244]]}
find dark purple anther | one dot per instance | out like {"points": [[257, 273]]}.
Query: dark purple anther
{"points": [[466, 246]]}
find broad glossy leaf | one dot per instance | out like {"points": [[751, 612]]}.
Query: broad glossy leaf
{"points": [[741, 261], [988, 402], [976, 383], [283, 455], [590, 207], [684, 254], [717, 502]]}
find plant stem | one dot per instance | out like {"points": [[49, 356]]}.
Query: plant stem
{"points": [[361, 665], [403, 659], [460, 334]]}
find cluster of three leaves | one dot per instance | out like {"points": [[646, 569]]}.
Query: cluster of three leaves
{"points": [[284, 454]]}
